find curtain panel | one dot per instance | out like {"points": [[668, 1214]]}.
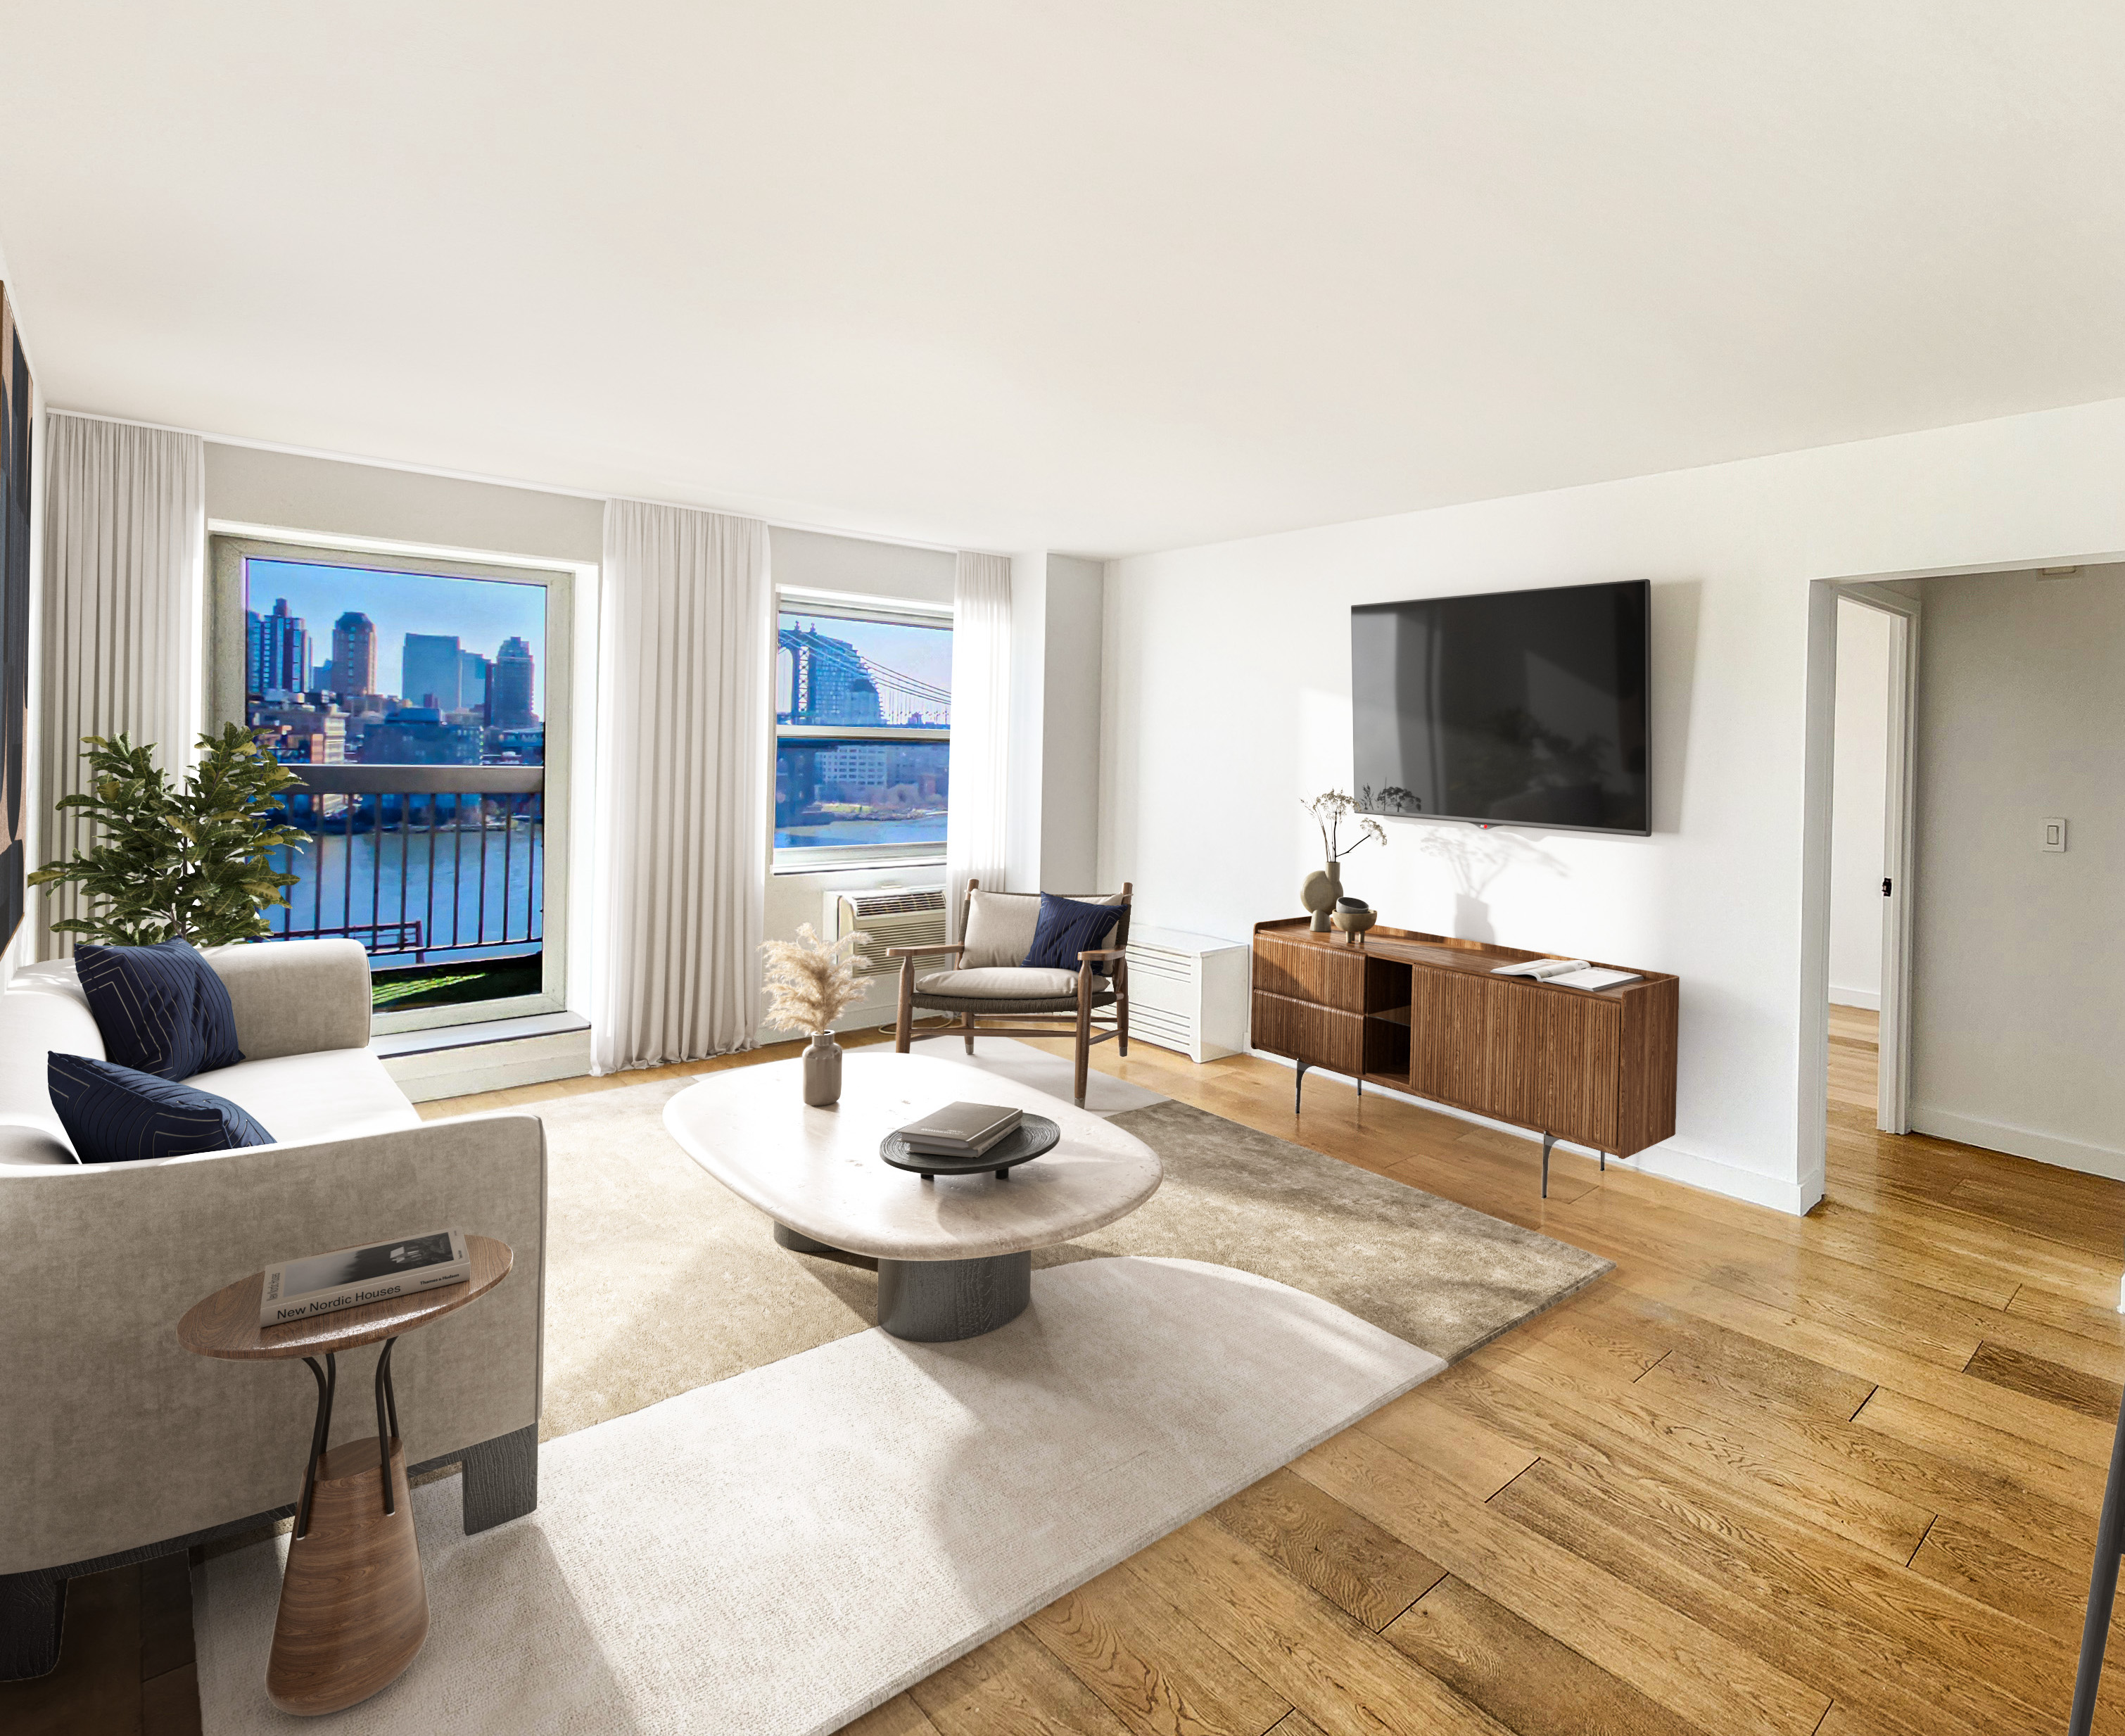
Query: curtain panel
{"points": [[683, 743], [120, 621], [975, 834]]}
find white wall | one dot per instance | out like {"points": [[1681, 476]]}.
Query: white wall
{"points": [[1857, 816], [250, 485], [1227, 701], [2019, 956]]}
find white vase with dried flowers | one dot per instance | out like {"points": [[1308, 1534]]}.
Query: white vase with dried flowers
{"points": [[1321, 890], [810, 984]]}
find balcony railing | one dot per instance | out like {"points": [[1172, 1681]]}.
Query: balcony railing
{"points": [[418, 861]]}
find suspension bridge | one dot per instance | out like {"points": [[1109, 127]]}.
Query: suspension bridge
{"points": [[831, 683]]}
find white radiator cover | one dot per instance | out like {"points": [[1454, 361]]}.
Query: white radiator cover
{"points": [[1187, 992]]}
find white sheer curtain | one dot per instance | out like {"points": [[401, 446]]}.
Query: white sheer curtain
{"points": [[682, 792], [124, 567], [975, 831]]}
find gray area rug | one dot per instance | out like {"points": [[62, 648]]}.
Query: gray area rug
{"points": [[660, 1281], [1443, 1277]]}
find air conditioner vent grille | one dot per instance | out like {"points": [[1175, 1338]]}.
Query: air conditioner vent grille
{"points": [[899, 915]]}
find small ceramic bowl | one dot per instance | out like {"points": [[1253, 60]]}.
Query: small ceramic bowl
{"points": [[1354, 923]]}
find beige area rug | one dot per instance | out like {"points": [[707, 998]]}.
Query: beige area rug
{"points": [[659, 1280], [776, 1554]]}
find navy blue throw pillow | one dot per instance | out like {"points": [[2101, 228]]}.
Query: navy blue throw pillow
{"points": [[117, 1115], [161, 1009], [1068, 927]]}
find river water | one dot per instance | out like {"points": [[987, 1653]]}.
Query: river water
{"points": [[481, 890]]}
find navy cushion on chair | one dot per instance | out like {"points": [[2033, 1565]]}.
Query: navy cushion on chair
{"points": [[161, 1009], [1066, 928], [117, 1115]]}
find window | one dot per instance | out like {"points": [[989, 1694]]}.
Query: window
{"points": [[423, 703], [863, 733]]}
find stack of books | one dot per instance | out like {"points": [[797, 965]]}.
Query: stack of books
{"points": [[348, 1277], [960, 1131]]}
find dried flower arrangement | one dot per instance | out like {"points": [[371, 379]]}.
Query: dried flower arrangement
{"points": [[1329, 810], [811, 982]]}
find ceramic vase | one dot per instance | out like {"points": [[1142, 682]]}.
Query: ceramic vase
{"points": [[1319, 892], [822, 1070]]}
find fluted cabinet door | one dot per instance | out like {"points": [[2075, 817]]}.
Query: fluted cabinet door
{"points": [[1583, 1045], [1517, 1035]]}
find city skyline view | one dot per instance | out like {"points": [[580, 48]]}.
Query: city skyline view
{"points": [[480, 613]]}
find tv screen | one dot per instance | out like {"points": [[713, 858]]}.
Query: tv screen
{"points": [[1516, 708]]}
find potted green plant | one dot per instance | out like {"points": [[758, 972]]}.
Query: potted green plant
{"points": [[191, 864]]}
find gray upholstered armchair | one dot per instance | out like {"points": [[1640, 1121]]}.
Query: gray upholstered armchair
{"points": [[988, 978]]}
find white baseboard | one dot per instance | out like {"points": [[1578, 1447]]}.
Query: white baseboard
{"points": [[2019, 1142], [1866, 997], [1667, 1160]]}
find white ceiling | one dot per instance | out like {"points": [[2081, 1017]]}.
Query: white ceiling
{"points": [[1104, 275]]}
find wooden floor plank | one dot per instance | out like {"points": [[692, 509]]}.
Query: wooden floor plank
{"points": [[1012, 1686], [1986, 1567], [1336, 1670], [1855, 1646], [899, 1716], [1578, 1413], [1350, 1561], [1530, 1683], [1154, 1669], [1477, 1460], [2039, 1377], [1691, 1669]]}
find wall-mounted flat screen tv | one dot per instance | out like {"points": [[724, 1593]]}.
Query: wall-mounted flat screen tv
{"points": [[1515, 708]]}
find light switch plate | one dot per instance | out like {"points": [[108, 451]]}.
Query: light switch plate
{"points": [[2053, 837]]}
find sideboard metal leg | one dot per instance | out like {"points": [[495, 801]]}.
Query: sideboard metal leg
{"points": [[2102, 1589], [1298, 1088], [1548, 1140], [1604, 1162]]}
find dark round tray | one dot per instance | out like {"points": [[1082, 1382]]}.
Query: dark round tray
{"points": [[1033, 1135]]}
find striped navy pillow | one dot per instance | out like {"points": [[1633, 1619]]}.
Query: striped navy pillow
{"points": [[118, 1115], [1068, 927], [161, 1009]]}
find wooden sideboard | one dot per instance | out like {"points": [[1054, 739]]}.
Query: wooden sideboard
{"points": [[1423, 1014]]}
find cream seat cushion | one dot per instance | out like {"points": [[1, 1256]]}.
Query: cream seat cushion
{"points": [[994, 983], [336, 1094]]}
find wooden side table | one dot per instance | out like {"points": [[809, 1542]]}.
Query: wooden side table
{"points": [[354, 1609]]}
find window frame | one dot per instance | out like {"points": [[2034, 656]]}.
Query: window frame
{"points": [[230, 546], [844, 606]]}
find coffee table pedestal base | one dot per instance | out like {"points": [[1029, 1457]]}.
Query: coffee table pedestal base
{"points": [[354, 1611], [937, 1301]]}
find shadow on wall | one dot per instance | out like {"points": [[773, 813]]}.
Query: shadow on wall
{"points": [[1675, 606], [1476, 858]]}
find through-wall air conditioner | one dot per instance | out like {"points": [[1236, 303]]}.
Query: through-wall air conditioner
{"points": [[892, 915]]}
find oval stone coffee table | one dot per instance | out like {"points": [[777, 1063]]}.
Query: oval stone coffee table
{"points": [[955, 1252]]}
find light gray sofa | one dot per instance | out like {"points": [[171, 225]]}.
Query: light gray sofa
{"points": [[117, 1444]]}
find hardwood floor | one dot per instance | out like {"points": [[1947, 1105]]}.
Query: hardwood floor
{"points": [[1835, 1474]]}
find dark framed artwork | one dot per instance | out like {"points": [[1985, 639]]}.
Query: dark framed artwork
{"points": [[14, 618]]}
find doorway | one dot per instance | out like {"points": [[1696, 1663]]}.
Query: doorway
{"points": [[1873, 797]]}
